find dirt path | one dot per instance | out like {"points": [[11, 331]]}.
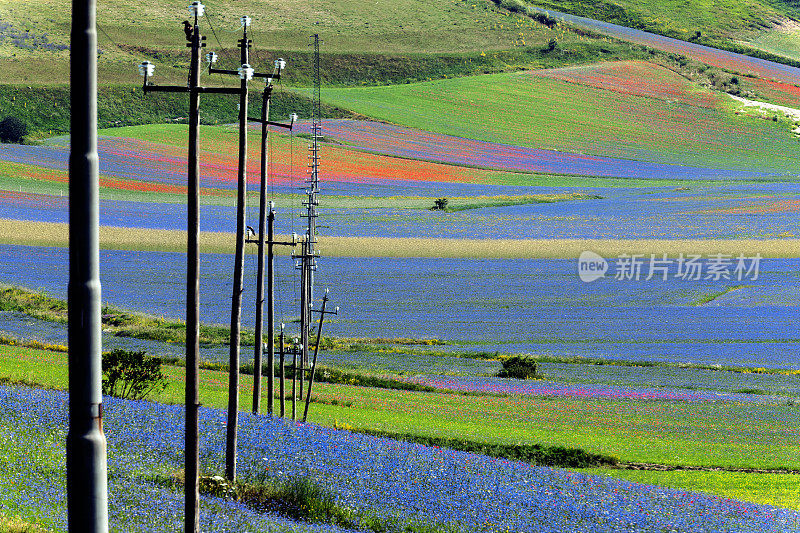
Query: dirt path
{"points": [[789, 112]]}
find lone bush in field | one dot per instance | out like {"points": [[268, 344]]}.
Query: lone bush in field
{"points": [[12, 130], [519, 367], [440, 204], [132, 375]]}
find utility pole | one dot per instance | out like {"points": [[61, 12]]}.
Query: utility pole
{"points": [[295, 353], [307, 264], [281, 366], [245, 74], [280, 64], [192, 448], [87, 493], [322, 314]]}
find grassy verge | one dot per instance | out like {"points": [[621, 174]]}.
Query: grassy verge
{"points": [[478, 202], [538, 454], [119, 322], [16, 524], [708, 298]]}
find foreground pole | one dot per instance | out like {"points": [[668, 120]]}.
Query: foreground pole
{"points": [[192, 451], [87, 503]]}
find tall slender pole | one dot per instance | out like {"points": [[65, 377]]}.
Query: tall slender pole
{"points": [[294, 381], [314, 363], [282, 376], [238, 277], [259, 336], [87, 495], [303, 310], [271, 309], [192, 451]]}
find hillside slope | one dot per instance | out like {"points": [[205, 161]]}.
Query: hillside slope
{"points": [[705, 21], [631, 111], [34, 35]]}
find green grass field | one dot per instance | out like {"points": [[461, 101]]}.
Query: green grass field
{"points": [[364, 40], [780, 490], [528, 110], [675, 433], [782, 40]]}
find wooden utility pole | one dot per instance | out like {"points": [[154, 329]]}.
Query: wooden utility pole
{"points": [[322, 314], [282, 376], [192, 447], [238, 267], [280, 64]]}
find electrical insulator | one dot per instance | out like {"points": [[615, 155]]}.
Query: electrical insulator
{"points": [[197, 9], [246, 72], [146, 68]]}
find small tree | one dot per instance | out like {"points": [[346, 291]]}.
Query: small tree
{"points": [[440, 204], [12, 130], [132, 375], [519, 367]]}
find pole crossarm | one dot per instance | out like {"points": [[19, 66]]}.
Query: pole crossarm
{"points": [[274, 243], [212, 70], [271, 123]]}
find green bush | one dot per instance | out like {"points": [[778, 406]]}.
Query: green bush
{"points": [[519, 367], [132, 375], [440, 204], [12, 130]]}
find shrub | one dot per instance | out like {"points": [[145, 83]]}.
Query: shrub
{"points": [[519, 367], [217, 486], [131, 375], [440, 204], [12, 130]]}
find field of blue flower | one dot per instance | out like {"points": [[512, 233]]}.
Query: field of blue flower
{"points": [[367, 474], [535, 306], [709, 212]]}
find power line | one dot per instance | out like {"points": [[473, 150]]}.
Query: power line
{"points": [[107, 36]]}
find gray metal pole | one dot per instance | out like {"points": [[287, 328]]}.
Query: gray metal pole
{"points": [[238, 278], [192, 398], [87, 494]]}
